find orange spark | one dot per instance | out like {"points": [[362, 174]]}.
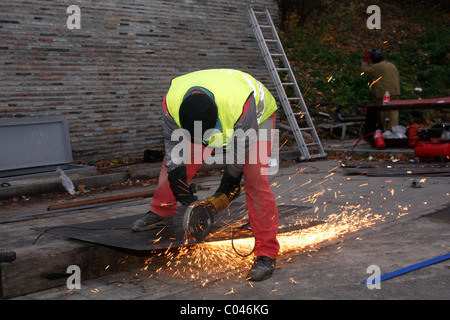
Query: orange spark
{"points": [[375, 81]]}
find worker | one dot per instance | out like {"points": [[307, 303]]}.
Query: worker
{"points": [[385, 77], [221, 101]]}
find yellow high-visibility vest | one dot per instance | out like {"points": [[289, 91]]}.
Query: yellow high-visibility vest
{"points": [[231, 90]]}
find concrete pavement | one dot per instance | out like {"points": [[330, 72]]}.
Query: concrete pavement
{"points": [[333, 272], [379, 221]]}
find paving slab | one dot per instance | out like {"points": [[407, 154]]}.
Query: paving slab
{"points": [[385, 213], [331, 272]]}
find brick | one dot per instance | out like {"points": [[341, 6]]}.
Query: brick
{"points": [[116, 69]]}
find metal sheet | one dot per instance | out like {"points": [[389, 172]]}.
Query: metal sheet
{"points": [[386, 169], [117, 232], [33, 143]]}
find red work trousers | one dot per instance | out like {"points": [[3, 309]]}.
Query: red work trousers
{"points": [[261, 204]]}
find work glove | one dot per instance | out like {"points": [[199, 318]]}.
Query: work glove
{"points": [[229, 185], [367, 56], [179, 186]]}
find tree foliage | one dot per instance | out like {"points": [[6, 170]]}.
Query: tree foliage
{"points": [[325, 42]]}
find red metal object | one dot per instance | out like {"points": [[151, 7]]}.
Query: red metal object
{"points": [[433, 150], [379, 140]]}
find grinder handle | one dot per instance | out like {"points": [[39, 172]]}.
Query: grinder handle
{"points": [[220, 202]]}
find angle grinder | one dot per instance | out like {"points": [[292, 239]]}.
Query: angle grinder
{"points": [[199, 216]]}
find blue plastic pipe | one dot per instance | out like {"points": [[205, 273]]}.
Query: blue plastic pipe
{"points": [[410, 268]]}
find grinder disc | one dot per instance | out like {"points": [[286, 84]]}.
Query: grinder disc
{"points": [[199, 219]]}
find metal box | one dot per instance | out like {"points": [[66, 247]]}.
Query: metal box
{"points": [[33, 145]]}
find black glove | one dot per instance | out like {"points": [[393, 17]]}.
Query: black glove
{"points": [[179, 186], [229, 185]]}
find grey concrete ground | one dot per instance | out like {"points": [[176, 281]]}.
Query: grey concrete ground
{"points": [[332, 272], [401, 228]]}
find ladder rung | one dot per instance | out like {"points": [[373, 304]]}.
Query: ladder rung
{"points": [[275, 72]]}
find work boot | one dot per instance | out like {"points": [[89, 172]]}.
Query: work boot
{"points": [[150, 221], [262, 269]]}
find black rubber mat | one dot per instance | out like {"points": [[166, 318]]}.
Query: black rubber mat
{"points": [[117, 232]]}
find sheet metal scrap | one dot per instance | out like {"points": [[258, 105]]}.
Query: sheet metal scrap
{"points": [[386, 169], [117, 232]]}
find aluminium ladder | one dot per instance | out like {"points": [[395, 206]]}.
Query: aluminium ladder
{"points": [[308, 150]]}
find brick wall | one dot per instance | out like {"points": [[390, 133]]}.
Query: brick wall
{"points": [[109, 77]]}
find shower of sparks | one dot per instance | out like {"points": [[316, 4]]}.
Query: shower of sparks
{"points": [[211, 262], [350, 219], [207, 262]]}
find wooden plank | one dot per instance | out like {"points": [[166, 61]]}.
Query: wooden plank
{"points": [[121, 197]]}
